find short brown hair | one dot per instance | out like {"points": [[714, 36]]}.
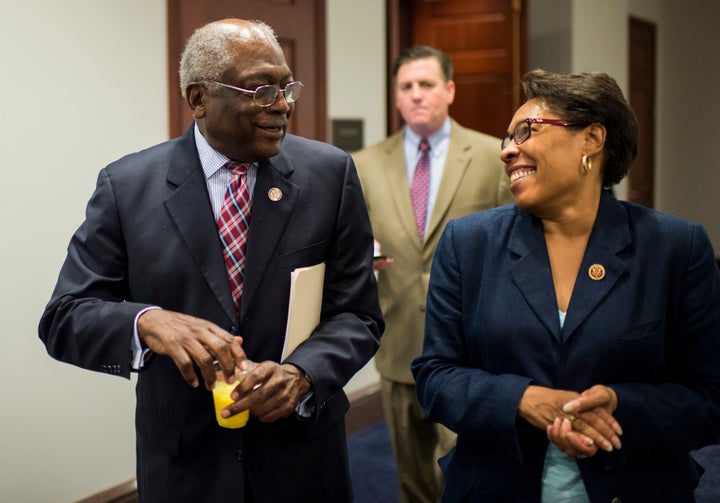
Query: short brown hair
{"points": [[586, 98], [422, 52]]}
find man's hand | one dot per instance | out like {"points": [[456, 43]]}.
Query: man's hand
{"points": [[381, 263], [270, 390], [189, 340]]}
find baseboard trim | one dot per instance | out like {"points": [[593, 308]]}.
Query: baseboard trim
{"points": [[365, 409], [125, 492]]}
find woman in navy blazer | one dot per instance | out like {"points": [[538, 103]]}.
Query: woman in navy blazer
{"points": [[572, 340]]}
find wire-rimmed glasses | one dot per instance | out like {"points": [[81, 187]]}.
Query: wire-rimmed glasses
{"points": [[265, 96]]}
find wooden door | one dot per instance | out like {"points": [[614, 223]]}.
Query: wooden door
{"points": [[641, 177], [486, 40], [300, 27]]}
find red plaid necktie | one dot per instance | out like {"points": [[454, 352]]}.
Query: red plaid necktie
{"points": [[233, 224], [420, 187]]}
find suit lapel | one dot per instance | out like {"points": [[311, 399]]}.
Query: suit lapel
{"points": [[610, 236], [189, 207], [456, 163], [397, 182], [531, 273], [268, 221]]}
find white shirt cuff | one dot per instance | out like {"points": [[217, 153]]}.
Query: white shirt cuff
{"points": [[138, 355]]}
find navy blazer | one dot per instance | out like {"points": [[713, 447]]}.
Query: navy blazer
{"points": [[150, 238], [650, 329]]}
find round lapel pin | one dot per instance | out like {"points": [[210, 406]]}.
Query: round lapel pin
{"points": [[275, 194], [596, 272]]}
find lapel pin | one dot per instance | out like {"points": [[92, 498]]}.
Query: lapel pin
{"points": [[596, 272], [275, 194]]}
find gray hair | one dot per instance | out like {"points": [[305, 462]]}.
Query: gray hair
{"points": [[210, 50]]}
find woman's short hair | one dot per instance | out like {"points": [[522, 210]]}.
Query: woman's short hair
{"points": [[587, 98]]}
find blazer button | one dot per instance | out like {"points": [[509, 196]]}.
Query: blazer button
{"points": [[233, 330], [240, 455]]}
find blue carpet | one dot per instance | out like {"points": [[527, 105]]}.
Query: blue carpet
{"points": [[374, 474], [372, 466]]}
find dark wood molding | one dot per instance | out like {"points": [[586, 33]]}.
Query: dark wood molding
{"points": [[365, 409], [121, 493]]}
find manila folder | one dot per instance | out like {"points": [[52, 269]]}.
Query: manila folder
{"points": [[306, 291]]}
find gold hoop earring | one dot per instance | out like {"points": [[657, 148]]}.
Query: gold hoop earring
{"points": [[587, 164]]}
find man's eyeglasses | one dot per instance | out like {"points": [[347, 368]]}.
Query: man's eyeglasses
{"points": [[264, 96], [522, 129]]}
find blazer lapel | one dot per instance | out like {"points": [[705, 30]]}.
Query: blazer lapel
{"points": [[397, 181], [268, 221], [611, 235], [531, 273], [456, 163], [189, 207]]}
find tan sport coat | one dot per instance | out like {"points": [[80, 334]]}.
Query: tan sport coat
{"points": [[473, 180]]}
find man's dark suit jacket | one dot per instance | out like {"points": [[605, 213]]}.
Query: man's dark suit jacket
{"points": [[150, 238], [649, 329]]}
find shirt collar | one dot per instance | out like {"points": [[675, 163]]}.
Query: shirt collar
{"points": [[434, 139], [210, 159]]}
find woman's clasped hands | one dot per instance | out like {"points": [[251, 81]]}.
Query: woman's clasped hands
{"points": [[579, 424]]}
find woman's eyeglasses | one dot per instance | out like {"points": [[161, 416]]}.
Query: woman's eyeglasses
{"points": [[522, 129]]}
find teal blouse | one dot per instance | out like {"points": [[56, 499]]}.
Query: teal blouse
{"points": [[561, 480]]}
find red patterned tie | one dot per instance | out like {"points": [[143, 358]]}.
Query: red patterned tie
{"points": [[420, 187], [233, 224]]}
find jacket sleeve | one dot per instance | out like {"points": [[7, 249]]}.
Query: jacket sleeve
{"points": [[452, 389], [349, 331], [88, 321]]}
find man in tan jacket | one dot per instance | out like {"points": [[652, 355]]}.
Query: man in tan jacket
{"points": [[463, 174]]}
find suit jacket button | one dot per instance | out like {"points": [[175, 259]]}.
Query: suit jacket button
{"points": [[233, 330], [240, 455]]}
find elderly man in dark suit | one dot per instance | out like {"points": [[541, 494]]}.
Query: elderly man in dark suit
{"points": [[152, 281]]}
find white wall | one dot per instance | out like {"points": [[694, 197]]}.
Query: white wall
{"points": [[687, 182], [550, 35], [357, 73], [594, 49], [84, 82], [688, 76], [356, 64]]}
